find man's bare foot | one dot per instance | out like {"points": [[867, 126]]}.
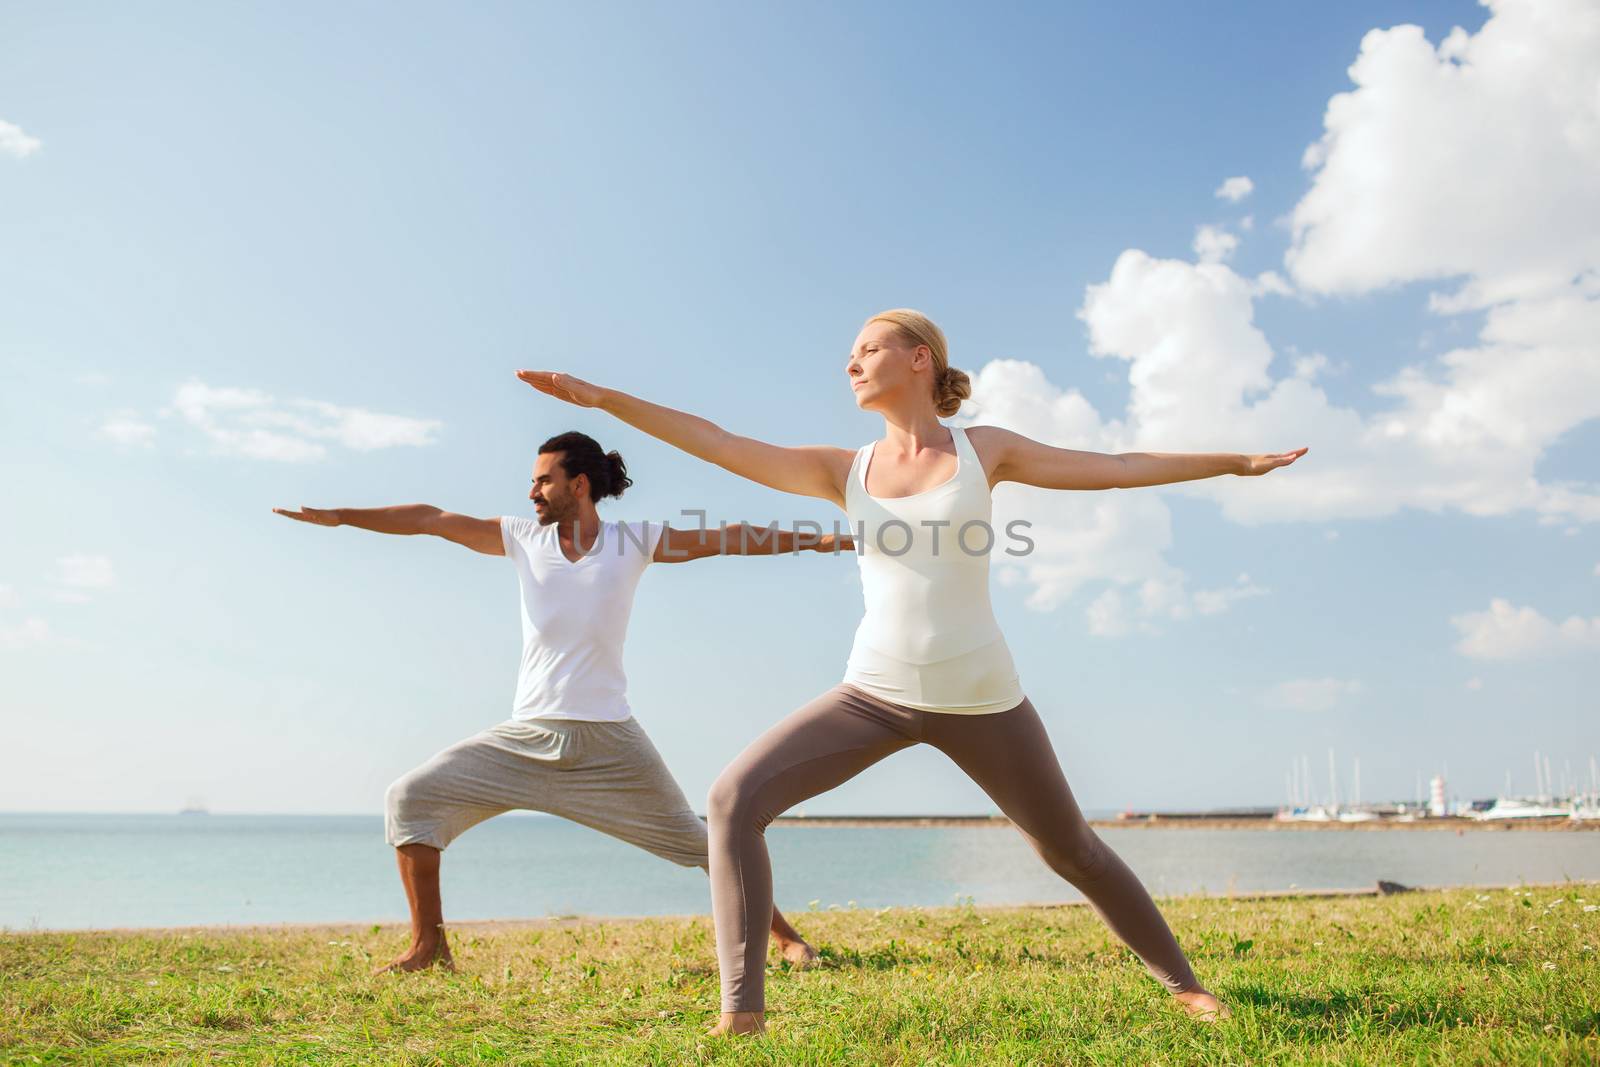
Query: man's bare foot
{"points": [[419, 957], [1203, 1006], [740, 1022], [799, 954]]}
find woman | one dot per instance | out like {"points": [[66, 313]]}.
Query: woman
{"points": [[929, 664]]}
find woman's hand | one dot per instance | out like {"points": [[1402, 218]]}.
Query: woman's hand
{"points": [[563, 387], [1256, 465], [316, 516]]}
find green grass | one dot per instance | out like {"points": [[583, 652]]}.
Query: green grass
{"points": [[1508, 976]]}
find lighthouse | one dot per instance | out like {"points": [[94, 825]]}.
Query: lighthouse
{"points": [[1436, 802]]}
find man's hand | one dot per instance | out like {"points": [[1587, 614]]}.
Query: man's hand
{"points": [[315, 516], [834, 543]]}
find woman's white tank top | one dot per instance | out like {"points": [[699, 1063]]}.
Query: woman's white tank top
{"points": [[929, 639]]}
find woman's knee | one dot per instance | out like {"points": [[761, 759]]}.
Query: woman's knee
{"points": [[729, 800], [1075, 855]]}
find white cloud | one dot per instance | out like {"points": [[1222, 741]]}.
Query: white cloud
{"points": [[126, 428], [8, 597], [1086, 539], [248, 422], [1310, 694], [1216, 601], [76, 575], [1507, 632], [233, 420], [1476, 158], [1078, 538], [1120, 611], [1308, 367], [1270, 282], [16, 143], [85, 572], [1200, 375], [366, 431], [1213, 244], [1186, 331], [1476, 161], [1466, 431], [1474, 684], [1200, 380], [1235, 189], [1108, 615], [26, 634], [1463, 432]]}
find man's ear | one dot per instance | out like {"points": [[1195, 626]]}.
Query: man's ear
{"points": [[580, 487]]}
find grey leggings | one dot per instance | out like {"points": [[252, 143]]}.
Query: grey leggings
{"points": [[843, 732]]}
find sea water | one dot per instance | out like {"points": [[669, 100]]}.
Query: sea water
{"points": [[88, 871]]}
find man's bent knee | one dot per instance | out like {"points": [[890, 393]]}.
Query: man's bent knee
{"points": [[400, 796], [408, 817]]}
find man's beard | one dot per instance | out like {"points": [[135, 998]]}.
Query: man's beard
{"points": [[554, 512]]}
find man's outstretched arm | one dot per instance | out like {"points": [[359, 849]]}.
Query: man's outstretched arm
{"points": [[480, 535], [743, 539]]}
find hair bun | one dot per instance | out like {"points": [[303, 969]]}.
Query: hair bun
{"points": [[953, 387], [619, 474]]}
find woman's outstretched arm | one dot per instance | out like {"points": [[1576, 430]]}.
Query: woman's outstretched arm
{"points": [[1011, 457], [812, 470]]}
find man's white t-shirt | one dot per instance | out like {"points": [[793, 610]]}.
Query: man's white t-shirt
{"points": [[575, 617]]}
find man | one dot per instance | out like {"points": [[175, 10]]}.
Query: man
{"points": [[571, 747]]}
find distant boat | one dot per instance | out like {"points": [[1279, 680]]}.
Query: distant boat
{"points": [[1517, 808], [1357, 813], [194, 807], [1300, 808], [1311, 813], [1546, 803], [1586, 805]]}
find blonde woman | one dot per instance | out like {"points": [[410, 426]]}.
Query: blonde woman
{"points": [[929, 664]]}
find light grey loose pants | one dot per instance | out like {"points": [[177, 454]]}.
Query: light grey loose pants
{"points": [[605, 775]]}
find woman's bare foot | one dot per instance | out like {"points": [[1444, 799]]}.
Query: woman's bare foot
{"points": [[420, 956], [1203, 1006], [799, 954], [740, 1022]]}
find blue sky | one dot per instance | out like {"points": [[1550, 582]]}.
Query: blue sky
{"points": [[254, 256]]}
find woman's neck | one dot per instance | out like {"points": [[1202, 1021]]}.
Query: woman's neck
{"points": [[912, 431]]}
